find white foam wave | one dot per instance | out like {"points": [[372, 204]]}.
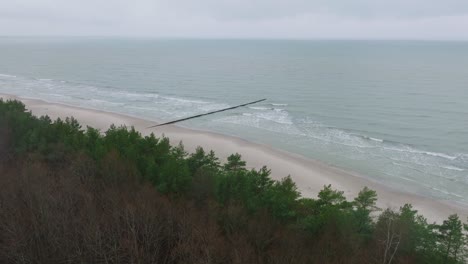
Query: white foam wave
{"points": [[7, 75], [276, 120], [277, 104], [277, 116], [140, 108], [452, 168], [211, 107], [337, 136], [406, 179], [406, 160], [183, 100], [462, 157], [428, 153], [408, 167], [260, 108], [104, 102], [329, 135], [446, 192], [55, 94], [373, 139], [436, 154], [129, 95]]}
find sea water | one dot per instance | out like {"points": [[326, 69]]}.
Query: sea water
{"points": [[394, 111]]}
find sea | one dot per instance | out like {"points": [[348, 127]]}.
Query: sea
{"points": [[395, 112]]}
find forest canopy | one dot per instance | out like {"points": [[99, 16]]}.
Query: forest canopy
{"points": [[79, 195]]}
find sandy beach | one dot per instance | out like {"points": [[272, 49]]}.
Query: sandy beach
{"points": [[309, 175]]}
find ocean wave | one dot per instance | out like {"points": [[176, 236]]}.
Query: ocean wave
{"points": [[376, 139], [339, 137], [276, 121], [406, 160], [452, 168], [210, 107], [406, 179], [445, 192], [277, 118], [462, 157], [7, 75], [260, 108], [170, 106], [109, 97], [408, 167], [144, 97], [372, 139], [332, 135], [415, 159], [430, 169], [56, 95], [428, 153], [183, 100], [101, 101], [436, 154], [140, 108]]}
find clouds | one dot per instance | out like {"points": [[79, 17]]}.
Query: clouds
{"points": [[429, 19], [272, 9]]}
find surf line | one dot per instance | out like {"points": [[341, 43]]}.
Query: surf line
{"points": [[209, 113]]}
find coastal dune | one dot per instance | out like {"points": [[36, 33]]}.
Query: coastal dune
{"points": [[309, 175]]}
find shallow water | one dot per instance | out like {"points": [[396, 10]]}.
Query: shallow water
{"points": [[394, 111]]}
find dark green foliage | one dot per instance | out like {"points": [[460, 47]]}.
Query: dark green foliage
{"points": [[234, 163], [174, 177], [202, 161], [415, 231], [281, 199], [452, 239], [329, 198], [73, 195], [365, 205]]}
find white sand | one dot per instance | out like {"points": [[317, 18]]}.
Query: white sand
{"points": [[309, 175]]}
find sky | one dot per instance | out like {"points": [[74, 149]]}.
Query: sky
{"points": [[296, 19]]}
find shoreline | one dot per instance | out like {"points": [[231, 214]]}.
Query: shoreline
{"points": [[309, 175]]}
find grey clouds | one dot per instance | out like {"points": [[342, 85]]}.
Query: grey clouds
{"points": [[342, 19]]}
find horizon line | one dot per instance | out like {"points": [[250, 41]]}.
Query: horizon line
{"points": [[232, 38]]}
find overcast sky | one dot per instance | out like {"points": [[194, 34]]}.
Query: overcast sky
{"points": [[323, 19]]}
